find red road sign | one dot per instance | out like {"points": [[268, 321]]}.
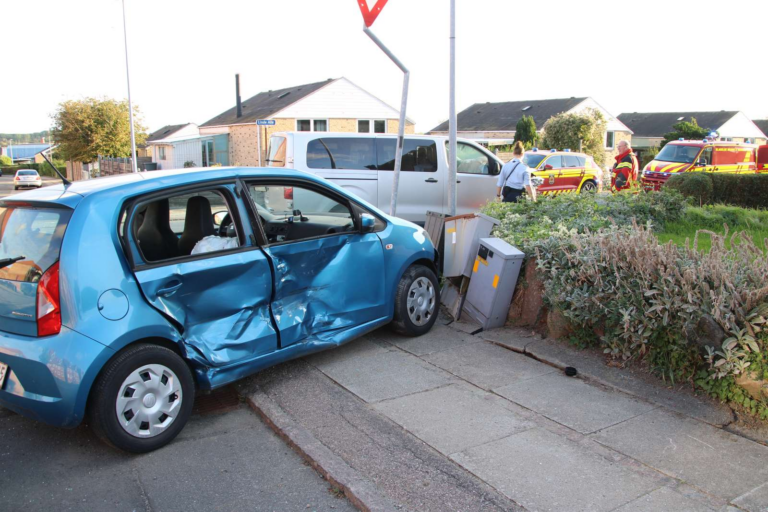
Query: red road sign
{"points": [[369, 15]]}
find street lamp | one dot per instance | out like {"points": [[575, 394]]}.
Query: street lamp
{"points": [[130, 104]]}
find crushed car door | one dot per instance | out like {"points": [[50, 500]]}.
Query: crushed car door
{"points": [[329, 276], [216, 291]]}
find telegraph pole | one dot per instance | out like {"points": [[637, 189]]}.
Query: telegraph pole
{"points": [[130, 104], [452, 115]]}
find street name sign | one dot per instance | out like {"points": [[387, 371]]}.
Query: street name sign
{"points": [[265, 122]]}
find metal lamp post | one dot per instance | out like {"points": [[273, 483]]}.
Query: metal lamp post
{"points": [[130, 104]]}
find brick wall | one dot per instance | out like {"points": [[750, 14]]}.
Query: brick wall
{"points": [[394, 124]]}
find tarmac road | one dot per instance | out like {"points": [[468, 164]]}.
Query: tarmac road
{"points": [[6, 184], [227, 460]]}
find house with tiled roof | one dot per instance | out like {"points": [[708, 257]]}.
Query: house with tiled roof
{"points": [[334, 105], [495, 123]]}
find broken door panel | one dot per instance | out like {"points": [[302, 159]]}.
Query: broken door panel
{"points": [[327, 284], [222, 303]]}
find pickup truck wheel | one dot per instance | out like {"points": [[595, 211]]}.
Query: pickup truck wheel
{"points": [[142, 399], [416, 301]]}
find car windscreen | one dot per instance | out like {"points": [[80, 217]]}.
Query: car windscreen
{"points": [[27, 173], [30, 240], [533, 161], [678, 154]]}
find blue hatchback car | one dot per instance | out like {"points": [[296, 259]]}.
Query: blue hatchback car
{"points": [[121, 297]]}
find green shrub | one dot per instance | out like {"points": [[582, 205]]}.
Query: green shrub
{"points": [[647, 296], [5, 160], [696, 185], [746, 190], [526, 222]]}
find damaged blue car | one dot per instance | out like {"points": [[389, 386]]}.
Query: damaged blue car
{"points": [[123, 297]]}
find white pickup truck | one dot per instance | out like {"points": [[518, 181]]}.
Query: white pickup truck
{"points": [[363, 164]]}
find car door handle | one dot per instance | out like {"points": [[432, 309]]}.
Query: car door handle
{"points": [[431, 180], [458, 181], [169, 288]]}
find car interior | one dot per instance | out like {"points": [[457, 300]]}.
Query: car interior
{"points": [[171, 227]]}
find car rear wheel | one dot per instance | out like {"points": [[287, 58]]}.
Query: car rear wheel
{"points": [[588, 186], [416, 301], [142, 399]]}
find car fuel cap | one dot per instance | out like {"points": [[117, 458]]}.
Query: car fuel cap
{"points": [[113, 304]]}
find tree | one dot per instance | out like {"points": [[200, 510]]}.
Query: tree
{"points": [[586, 129], [525, 131], [686, 130], [87, 128], [5, 160]]}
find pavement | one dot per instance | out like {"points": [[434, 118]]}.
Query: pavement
{"points": [[224, 459], [460, 421]]}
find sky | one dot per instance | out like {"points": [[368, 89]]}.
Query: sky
{"points": [[650, 56]]}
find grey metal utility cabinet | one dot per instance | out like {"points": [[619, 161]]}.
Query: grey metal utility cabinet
{"points": [[494, 276], [462, 235]]}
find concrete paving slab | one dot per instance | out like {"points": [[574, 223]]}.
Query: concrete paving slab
{"points": [[513, 337], [439, 338], [543, 471], [384, 375], [664, 499], [466, 324], [755, 500], [574, 403], [488, 366], [357, 348], [709, 458], [453, 418]]}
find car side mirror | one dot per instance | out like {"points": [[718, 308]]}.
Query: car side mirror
{"points": [[701, 163], [493, 167], [219, 217], [367, 222], [548, 167]]}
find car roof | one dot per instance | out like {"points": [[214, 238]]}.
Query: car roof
{"points": [[547, 153], [19, 170], [70, 195], [362, 135]]}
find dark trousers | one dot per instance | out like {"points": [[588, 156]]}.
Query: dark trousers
{"points": [[510, 195]]}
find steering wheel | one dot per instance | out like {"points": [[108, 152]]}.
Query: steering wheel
{"points": [[227, 228]]}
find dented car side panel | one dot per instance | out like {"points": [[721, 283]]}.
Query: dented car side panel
{"points": [[327, 284]]}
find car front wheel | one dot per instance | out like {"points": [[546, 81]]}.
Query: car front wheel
{"points": [[416, 301], [588, 186], [142, 399]]}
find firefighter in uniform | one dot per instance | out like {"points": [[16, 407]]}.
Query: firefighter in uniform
{"points": [[625, 168]]}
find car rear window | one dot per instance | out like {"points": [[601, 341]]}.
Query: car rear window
{"points": [[27, 173], [35, 234]]}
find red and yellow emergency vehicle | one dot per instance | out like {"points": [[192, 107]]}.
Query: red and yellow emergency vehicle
{"points": [[704, 156], [563, 171]]}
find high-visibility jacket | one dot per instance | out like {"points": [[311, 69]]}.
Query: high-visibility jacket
{"points": [[624, 170]]}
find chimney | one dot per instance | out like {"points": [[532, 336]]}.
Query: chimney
{"points": [[237, 92]]}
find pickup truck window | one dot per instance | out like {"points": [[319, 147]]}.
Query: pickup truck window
{"points": [[341, 153], [418, 155]]}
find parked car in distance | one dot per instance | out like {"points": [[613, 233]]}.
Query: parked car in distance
{"points": [[563, 171], [363, 164], [27, 178], [123, 296]]}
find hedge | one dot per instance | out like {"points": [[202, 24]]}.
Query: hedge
{"points": [[43, 169], [745, 190]]}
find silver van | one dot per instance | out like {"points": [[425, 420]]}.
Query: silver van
{"points": [[363, 165]]}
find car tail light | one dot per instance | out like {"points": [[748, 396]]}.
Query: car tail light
{"points": [[48, 304], [288, 193]]}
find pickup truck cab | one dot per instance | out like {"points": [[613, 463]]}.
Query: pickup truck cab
{"points": [[363, 163]]}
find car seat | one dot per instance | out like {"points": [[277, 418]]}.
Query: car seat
{"points": [[156, 239], [198, 223]]}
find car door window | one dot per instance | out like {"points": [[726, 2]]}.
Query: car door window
{"points": [[418, 155], [470, 160], [571, 161], [290, 213], [183, 225], [556, 162], [341, 153]]}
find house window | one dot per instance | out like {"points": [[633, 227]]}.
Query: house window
{"points": [[161, 153], [609, 140], [311, 125], [371, 126]]}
